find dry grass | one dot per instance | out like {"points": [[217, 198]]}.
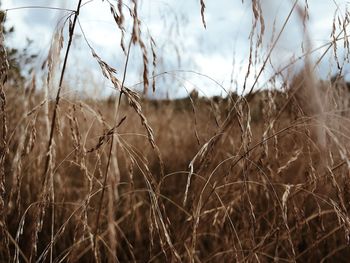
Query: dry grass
{"points": [[258, 178]]}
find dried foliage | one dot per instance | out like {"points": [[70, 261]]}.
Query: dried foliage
{"points": [[256, 178], [4, 66]]}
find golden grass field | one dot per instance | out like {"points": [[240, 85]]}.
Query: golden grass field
{"points": [[256, 178], [256, 191]]}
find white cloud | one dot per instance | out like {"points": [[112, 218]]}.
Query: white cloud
{"points": [[176, 26]]}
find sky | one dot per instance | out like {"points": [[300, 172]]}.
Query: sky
{"points": [[212, 60]]}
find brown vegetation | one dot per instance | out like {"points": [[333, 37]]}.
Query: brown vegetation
{"points": [[254, 190], [251, 178]]}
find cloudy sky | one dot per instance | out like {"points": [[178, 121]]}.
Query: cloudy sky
{"points": [[212, 60]]}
